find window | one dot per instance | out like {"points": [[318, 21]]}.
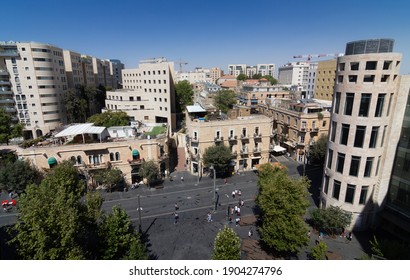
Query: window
{"points": [[359, 136], [336, 189], [377, 166], [365, 104], [363, 195], [350, 193], [383, 135], [111, 156], [387, 64], [324, 124], [344, 136], [341, 66], [349, 104], [337, 102], [334, 128], [368, 79], [388, 106], [354, 166], [371, 65], [340, 162], [340, 79], [79, 160], [330, 159], [326, 185], [379, 105], [117, 156], [353, 79], [373, 137], [354, 66], [385, 78], [368, 167]]}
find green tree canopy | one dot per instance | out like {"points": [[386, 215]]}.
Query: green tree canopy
{"points": [[283, 203], [184, 94], [17, 175], [241, 77], [330, 220], [271, 79], [149, 170], [257, 76], [118, 238], [218, 156], [319, 251], [58, 221], [110, 118], [109, 178], [227, 245], [317, 151], [224, 100], [8, 128]]}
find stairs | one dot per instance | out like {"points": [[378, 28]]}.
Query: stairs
{"points": [[181, 159]]}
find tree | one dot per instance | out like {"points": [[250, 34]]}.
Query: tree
{"points": [[109, 178], [319, 251], [317, 151], [218, 156], [283, 203], [110, 118], [241, 77], [49, 225], [271, 79], [184, 95], [149, 170], [75, 106], [257, 76], [227, 245], [8, 128], [224, 100], [17, 175], [331, 220], [118, 238]]}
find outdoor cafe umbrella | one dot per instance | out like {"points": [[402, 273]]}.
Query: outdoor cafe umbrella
{"points": [[5, 202], [13, 202]]}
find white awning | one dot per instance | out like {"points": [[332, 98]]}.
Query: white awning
{"points": [[84, 128], [195, 109], [279, 149]]}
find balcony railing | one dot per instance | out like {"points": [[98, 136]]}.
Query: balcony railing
{"points": [[232, 137], [135, 161], [244, 151], [244, 137], [194, 139], [218, 139], [256, 150], [257, 135]]}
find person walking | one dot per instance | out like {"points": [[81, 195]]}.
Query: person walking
{"points": [[233, 194], [176, 217], [350, 237], [176, 206], [250, 233], [238, 211], [209, 217], [182, 178]]}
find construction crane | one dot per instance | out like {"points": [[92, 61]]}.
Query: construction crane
{"points": [[310, 56], [181, 63]]}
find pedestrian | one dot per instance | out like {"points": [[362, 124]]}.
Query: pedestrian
{"points": [[317, 240], [209, 217], [226, 181], [233, 194], [343, 234], [232, 210], [176, 217], [250, 233], [182, 178], [239, 192], [241, 202], [350, 237], [238, 212], [176, 206], [236, 209], [237, 220], [230, 219]]}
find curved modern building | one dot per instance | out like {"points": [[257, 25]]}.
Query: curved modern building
{"points": [[363, 136]]}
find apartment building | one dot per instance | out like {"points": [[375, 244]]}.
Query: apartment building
{"points": [[38, 81], [247, 135], [294, 73], [236, 69], [325, 79], [200, 75], [74, 69], [297, 124], [126, 153], [215, 74], [250, 71], [116, 67], [253, 94], [369, 101], [148, 93], [310, 88]]}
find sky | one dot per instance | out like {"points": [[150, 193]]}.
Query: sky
{"points": [[207, 33]]}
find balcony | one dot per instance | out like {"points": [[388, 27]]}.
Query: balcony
{"points": [[218, 139], [303, 129], [257, 135], [232, 137], [244, 137], [95, 166], [256, 150], [5, 82], [244, 151], [10, 109], [194, 157], [6, 101], [194, 139], [9, 53], [135, 161]]}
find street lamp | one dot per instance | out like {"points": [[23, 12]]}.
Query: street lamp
{"points": [[214, 200], [139, 215]]}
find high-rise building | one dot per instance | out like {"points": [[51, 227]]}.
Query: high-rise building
{"points": [[310, 88], [367, 106], [116, 67], [250, 71], [148, 93], [325, 79], [215, 74], [73, 68], [236, 69], [294, 73]]}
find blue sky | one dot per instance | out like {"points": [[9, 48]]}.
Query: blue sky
{"points": [[207, 33]]}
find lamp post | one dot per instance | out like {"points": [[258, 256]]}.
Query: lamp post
{"points": [[139, 215], [214, 200]]}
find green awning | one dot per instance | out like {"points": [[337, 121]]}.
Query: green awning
{"points": [[52, 160], [135, 153]]}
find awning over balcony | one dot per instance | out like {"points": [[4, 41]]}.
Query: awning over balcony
{"points": [[290, 144], [52, 160], [279, 149], [135, 153]]}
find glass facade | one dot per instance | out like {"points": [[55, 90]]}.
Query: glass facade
{"points": [[399, 191]]}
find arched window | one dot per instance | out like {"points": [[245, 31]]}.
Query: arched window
{"points": [[72, 159], [79, 160], [111, 156], [117, 156], [90, 159]]}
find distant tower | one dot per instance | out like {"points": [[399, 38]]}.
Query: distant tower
{"points": [[363, 135]]}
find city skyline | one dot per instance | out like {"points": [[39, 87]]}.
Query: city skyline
{"points": [[206, 34]]}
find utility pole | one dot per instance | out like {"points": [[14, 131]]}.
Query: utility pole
{"points": [[139, 215], [214, 201]]}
